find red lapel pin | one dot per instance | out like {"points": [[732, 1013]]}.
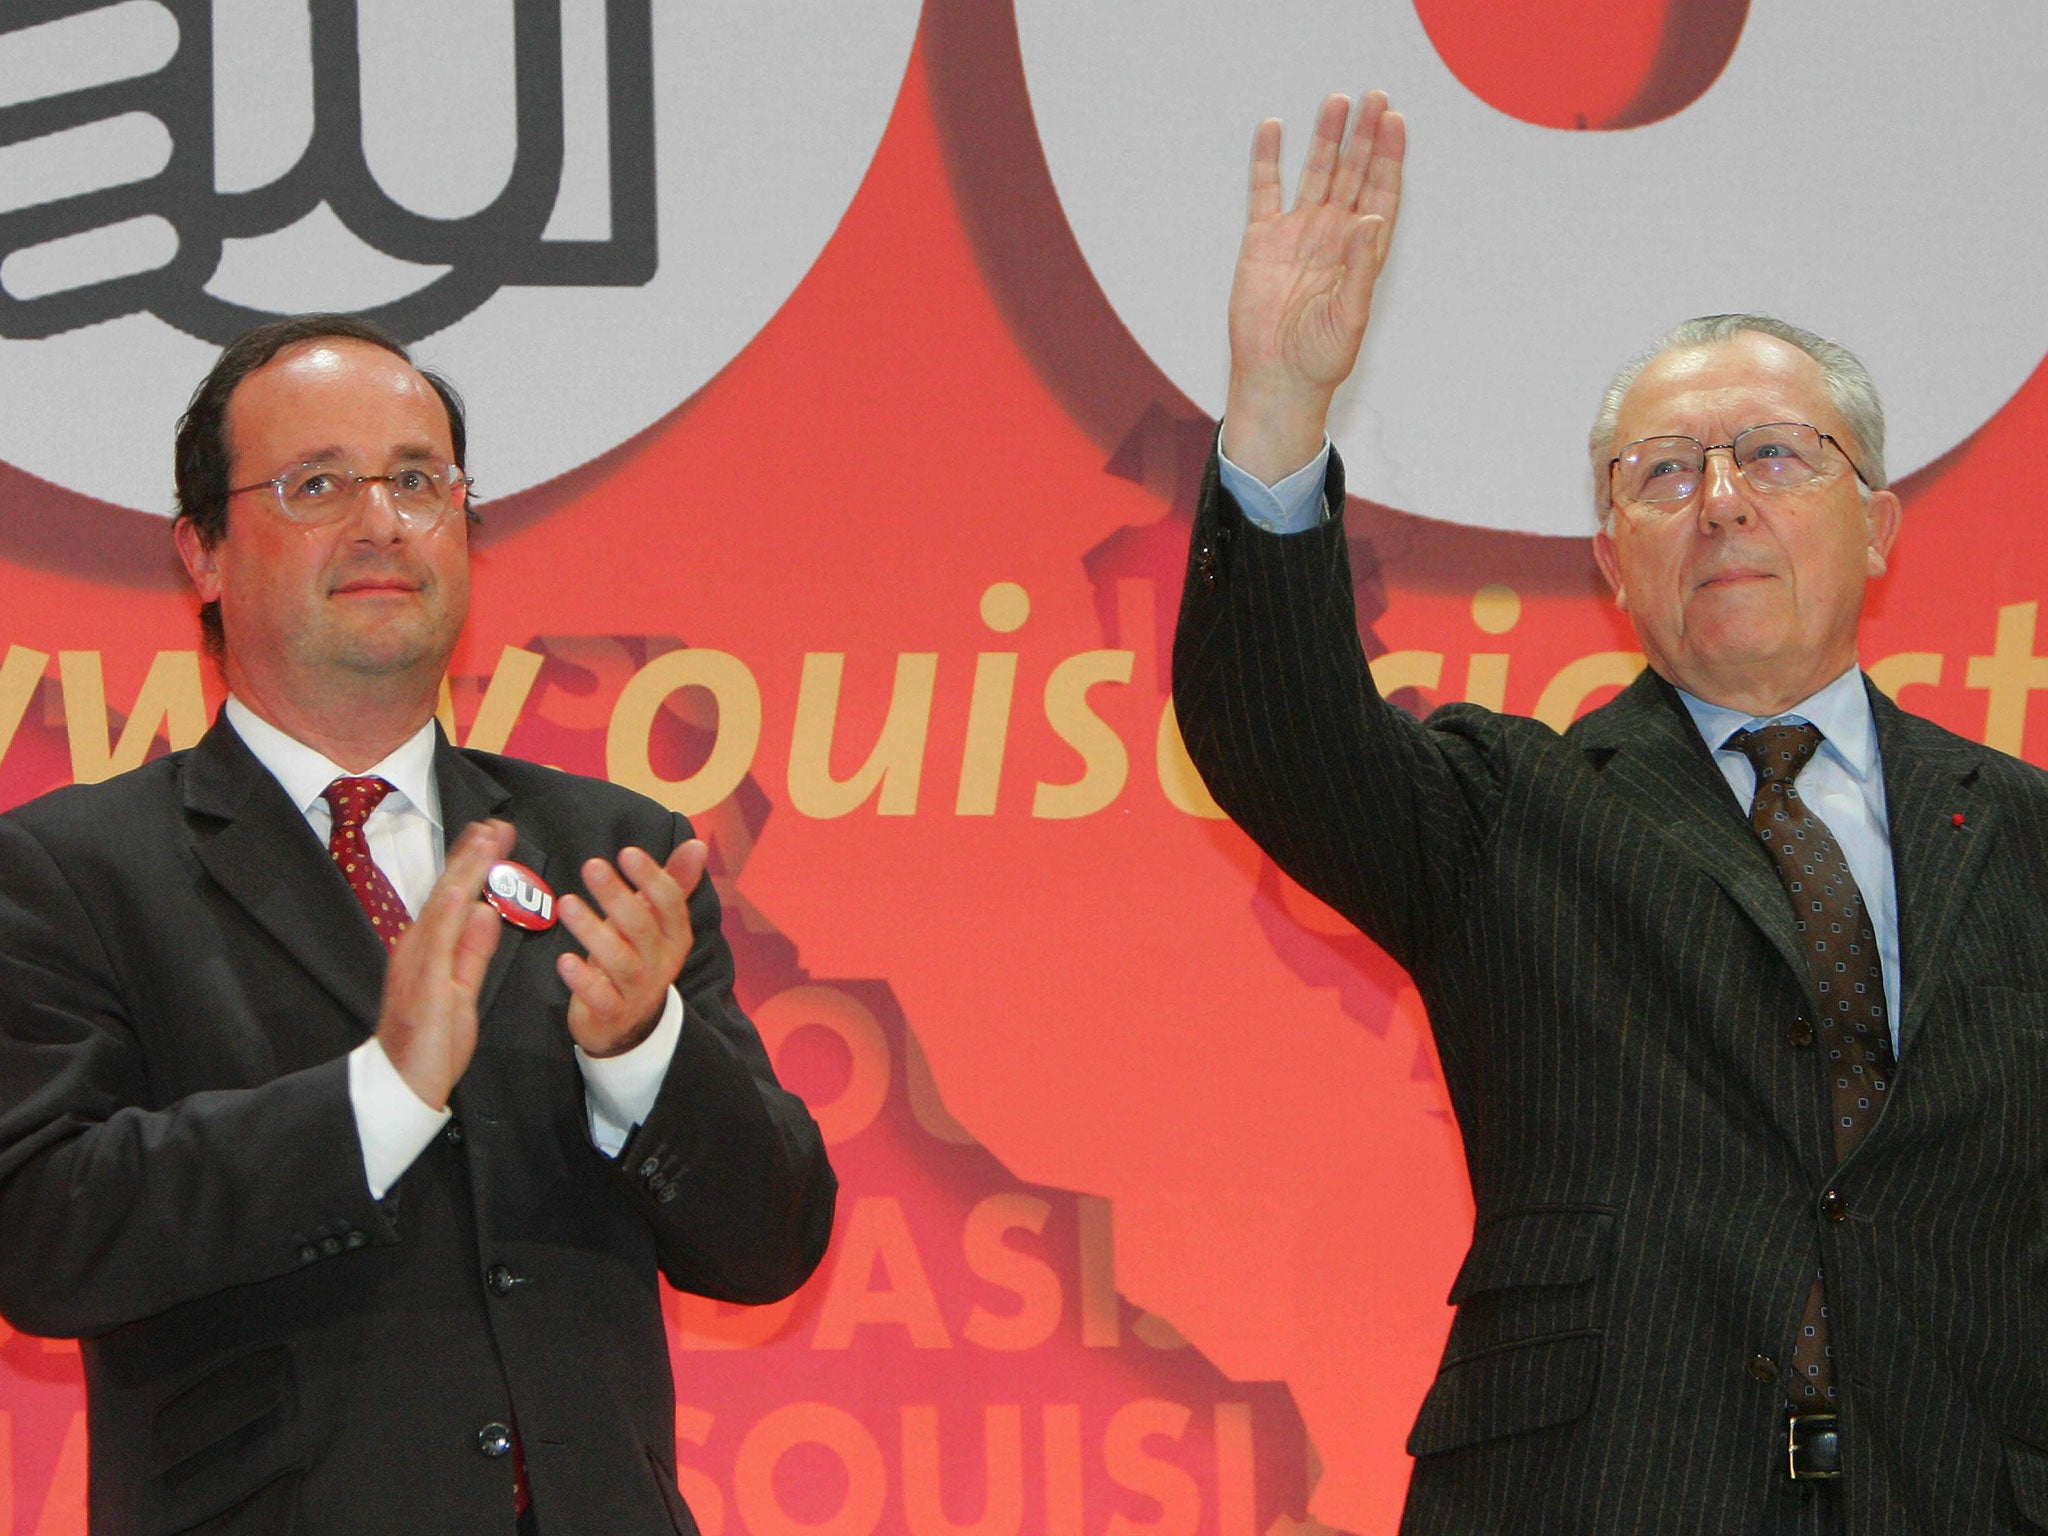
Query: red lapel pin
{"points": [[521, 897], [1957, 819]]}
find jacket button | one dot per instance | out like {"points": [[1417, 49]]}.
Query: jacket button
{"points": [[1205, 567], [1833, 1206], [1763, 1367], [500, 1280], [650, 1168], [494, 1439], [453, 1133], [1802, 1032], [668, 1193], [330, 1246], [308, 1254], [354, 1240]]}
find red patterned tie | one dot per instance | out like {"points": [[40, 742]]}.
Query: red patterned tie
{"points": [[352, 800], [1841, 952]]}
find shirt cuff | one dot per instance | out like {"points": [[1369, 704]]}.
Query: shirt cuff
{"points": [[620, 1090], [393, 1123], [1292, 505]]}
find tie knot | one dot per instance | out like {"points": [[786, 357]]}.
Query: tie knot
{"points": [[352, 799], [1778, 752]]}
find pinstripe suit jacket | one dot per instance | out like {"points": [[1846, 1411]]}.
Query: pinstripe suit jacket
{"points": [[1612, 974]]}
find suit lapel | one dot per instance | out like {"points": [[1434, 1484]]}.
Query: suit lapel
{"points": [[264, 855], [469, 794], [1655, 760], [1930, 778]]}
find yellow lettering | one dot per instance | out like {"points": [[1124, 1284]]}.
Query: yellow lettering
{"points": [[1496, 609], [895, 764], [988, 733], [1576, 681], [1184, 788], [1407, 669], [1486, 680], [19, 674], [877, 1233], [1004, 608], [1908, 669], [1034, 1283], [608, 664], [1002, 1505], [504, 696], [2008, 675], [171, 698], [627, 743], [1105, 764]]}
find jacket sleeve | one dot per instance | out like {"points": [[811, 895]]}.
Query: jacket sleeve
{"points": [[113, 1208], [729, 1168], [1382, 817]]}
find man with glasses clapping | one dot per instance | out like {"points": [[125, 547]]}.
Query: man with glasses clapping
{"points": [[353, 1154]]}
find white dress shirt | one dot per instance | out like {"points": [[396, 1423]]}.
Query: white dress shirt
{"points": [[409, 844]]}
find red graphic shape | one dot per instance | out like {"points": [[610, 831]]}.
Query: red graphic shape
{"points": [[1586, 63]]}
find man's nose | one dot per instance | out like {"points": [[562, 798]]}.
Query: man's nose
{"points": [[377, 514], [1721, 490]]}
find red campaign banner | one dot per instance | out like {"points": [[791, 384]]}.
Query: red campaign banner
{"points": [[1151, 1194]]}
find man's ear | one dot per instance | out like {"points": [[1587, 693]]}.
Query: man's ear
{"points": [[1610, 566], [202, 560], [1881, 516]]}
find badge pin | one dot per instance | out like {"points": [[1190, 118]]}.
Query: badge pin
{"points": [[521, 897]]}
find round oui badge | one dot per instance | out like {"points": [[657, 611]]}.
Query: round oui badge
{"points": [[521, 897]]}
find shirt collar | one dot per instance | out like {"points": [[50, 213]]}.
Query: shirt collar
{"points": [[1841, 711], [305, 773]]}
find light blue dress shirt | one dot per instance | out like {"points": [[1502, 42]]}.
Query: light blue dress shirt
{"points": [[1843, 784]]}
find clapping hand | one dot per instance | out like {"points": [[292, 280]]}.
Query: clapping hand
{"points": [[618, 986]]}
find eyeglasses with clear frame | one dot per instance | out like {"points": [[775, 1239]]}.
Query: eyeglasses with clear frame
{"points": [[1664, 473], [314, 495]]}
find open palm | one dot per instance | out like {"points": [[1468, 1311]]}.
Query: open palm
{"points": [[1305, 276]]}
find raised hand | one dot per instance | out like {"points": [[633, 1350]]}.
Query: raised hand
{"points": [[1305, 277], [620, 984], [428, 1023]]}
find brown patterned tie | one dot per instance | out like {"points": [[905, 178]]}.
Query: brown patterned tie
{"points": [[1841, 952], [352, 800]]}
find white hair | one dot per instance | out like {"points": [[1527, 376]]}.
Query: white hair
{"points": [[1850, 390]]}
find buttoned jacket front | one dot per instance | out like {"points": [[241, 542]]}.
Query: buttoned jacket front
{"points": [[1621, 1007]]}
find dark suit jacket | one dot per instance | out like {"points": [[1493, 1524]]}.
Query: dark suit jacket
{"points": [[182, 970], [1611, 971]]}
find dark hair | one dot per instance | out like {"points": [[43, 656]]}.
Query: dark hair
{"points": [[202, 457]]}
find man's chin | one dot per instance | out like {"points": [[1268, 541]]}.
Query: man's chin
{"points": [[385, 654]]}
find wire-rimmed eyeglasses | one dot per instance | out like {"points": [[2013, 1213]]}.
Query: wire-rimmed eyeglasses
{"points": [[1774, 456], [316, 494]]}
